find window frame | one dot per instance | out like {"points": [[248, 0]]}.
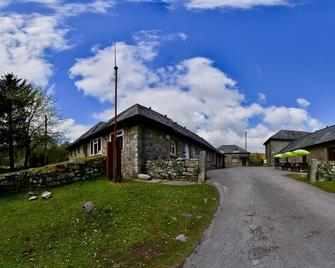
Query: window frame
{"points": [[119, 134], [194, 152], [234, 159], [188, 151], [92, 146], [173, 145], [208, 158]]}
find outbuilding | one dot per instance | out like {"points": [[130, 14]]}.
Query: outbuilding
{"points": [[234, 156]]}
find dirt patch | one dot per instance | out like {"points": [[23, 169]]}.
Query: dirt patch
{"points": [[257, 253], [257, 234], [145, 251]]}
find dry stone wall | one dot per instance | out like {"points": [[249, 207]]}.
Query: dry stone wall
{"points": [[326, 171], [53, 175], [175, 169]]}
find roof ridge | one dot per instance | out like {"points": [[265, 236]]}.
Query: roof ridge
{"points": [[174, 122], [143, 111]]}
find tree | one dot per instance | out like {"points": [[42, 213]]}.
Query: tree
{"points": [[41, 117], [12, 98], [24, 108]]}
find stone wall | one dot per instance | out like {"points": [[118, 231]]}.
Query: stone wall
{"points": [[176, 169], [53, 175], [325, 171]]}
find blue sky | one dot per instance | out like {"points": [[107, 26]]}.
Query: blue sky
{"points": [[219, 67]]}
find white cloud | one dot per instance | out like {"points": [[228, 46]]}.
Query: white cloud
{"points": [[243, 4], [71, 129], [97, 72], [68, 8], [24, 40], [289, 118], [193, 92], [303, 103], [261, 97], [28, 40]]}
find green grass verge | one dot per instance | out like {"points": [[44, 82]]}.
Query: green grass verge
{"points": [[135, 224], [328, 186]]}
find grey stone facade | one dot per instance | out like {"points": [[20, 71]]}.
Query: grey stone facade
{"points": [[280, 140], [129, 154], [235, 160], [146, 136], [143, 143], [272, 148]]}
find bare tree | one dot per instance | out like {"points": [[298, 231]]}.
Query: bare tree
{"points": [[36, 130], [23, 109]]}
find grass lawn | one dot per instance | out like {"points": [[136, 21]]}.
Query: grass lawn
{"points": [[328, 186], [134, 225]]}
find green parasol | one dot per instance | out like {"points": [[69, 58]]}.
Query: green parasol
{"points": [[301, 152], [278, 155], [289, 154]]}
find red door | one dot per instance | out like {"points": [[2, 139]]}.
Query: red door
{"points": [[109, 161]]}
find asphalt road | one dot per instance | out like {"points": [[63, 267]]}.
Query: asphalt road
{"points": [[267, 220]]}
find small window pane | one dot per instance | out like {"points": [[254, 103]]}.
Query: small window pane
{"points": [[99, 145], [173, 148]]}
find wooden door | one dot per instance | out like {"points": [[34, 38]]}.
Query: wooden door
{"points": [[331, 154], [109, 161], [244, 161]]}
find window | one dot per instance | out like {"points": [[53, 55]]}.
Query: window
{"points": [[78, 149], [194, 153], [234, 160], [208, 156], [173, 148], [331, 154], [119, 135], [187, 151], [96, 146]]}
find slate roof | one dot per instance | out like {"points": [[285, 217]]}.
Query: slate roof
{"points": [[95, 129], [230, 149], [148, 113], [321, 136], [287, 135]]}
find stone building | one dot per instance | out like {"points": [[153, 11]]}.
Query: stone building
{"points": [[279, 141], [234, 156], [320, 144], [145, 135]]}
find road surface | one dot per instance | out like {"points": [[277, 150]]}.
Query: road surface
{"points": [[267, 220]]}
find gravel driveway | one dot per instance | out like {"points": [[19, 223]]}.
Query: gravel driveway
{"points": [[267, 220]]}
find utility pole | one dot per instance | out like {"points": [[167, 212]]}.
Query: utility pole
{"points": [[45, 138], [115, 146], [246, 140]]}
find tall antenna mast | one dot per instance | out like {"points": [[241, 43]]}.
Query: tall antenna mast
{"points": [[115, 146]]}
